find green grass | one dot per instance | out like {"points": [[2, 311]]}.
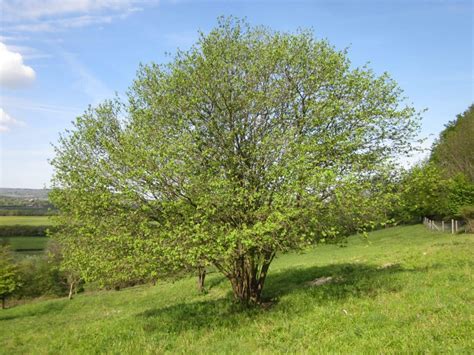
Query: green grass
{"points": [[25, 220], [20, 243], [406, 290], [25, 243]]}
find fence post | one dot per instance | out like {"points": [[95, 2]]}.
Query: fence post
{"points": [[442, 226], [456, 225], [452, 226]]}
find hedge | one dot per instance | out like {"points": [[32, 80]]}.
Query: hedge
{"points": [[23, 231]]}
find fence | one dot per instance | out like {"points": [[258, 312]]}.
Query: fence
{"points": [[454, 226]]}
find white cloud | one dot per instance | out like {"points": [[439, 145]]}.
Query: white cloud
{"points": [[60, 24], [22, 104], [6, 121], [13, 73], [35, 9], [56, 15], [28, 53], [15, 38]]}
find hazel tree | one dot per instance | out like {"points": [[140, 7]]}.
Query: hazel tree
{"points": [[252, 142]]}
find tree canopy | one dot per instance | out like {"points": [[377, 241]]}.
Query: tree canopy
{"points": [[454, 149], [250, 143], [443, 186]]}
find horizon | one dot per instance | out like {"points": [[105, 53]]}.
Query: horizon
{"points": [[56, 59]]}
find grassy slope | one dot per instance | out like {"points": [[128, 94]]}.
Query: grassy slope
{"points": [[423, 302], [25, 220]]}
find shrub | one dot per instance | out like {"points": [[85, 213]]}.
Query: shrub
{"points": [[40, 276], [467, 212], [8, 274]]}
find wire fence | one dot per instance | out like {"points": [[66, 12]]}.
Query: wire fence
{"points": [[452, 226]]}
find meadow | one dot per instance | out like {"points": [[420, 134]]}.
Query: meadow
{"points": [[26, 244], [25, 220], [15, 231], [404, 289]]}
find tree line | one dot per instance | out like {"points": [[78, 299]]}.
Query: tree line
{"points": [[442, 187]]}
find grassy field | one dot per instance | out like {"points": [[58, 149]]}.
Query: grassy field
{"points": [[25, 220], [405, 290], [26, 243]]}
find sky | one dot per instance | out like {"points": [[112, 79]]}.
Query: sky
{"points": [[57, 57]]}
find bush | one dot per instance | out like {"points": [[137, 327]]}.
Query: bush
{"points": [[460, 195], [467, 212], [425, 192], [422, 192], [40, 276], [8, 274]]}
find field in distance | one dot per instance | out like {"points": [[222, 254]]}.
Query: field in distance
{"points": [[26, 244], [25, 220], [405, 290]]}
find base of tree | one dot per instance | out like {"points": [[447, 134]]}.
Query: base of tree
{"points": [[248, 278], [201, 278]]}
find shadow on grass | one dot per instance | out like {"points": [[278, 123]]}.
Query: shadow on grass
{"points": [[215, 281], [42, 310], [349, 280]]}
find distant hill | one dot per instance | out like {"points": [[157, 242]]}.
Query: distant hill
{"points": [[25, 202], [37, 194]]}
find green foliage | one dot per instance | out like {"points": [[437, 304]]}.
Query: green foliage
{"points": [[454, 150], [426, 191], [31, 276], [423, 193], [467, 212], [40, 276], [250, 143], [8, 274], [405, 290], [444, 185], [460, 194]]}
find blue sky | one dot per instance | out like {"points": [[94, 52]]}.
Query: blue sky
{"points": [[57, 57]]}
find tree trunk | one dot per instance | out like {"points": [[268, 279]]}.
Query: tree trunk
{"points": [[248, 278], [71, 288], [201, 278]]}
